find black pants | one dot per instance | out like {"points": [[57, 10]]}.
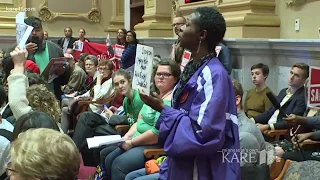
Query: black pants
{"points": [[297, 156], [3, 176], [91, 124]]}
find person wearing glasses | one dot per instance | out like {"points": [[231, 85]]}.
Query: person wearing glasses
{"points": [[202, 122], [143, 134], [102, 89], [51, 155], [178, 22]]}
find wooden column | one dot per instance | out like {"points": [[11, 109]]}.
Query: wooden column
{"points": [[117, 20], [157, 19], [245, 18]]}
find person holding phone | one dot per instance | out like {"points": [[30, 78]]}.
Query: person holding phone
{"points": [[41, 52]]}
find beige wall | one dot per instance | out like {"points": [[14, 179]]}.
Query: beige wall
{"points": [[56, 26], [309, 15]]}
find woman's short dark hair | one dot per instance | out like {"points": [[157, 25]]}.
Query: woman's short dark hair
{"points": [[211, 20], [35, 78], [82, 56], [92, 58], [134, 35], [174, 68], [264, 68], [33, 119]]}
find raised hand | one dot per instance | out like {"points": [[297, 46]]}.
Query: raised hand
{"points": [[19, 56]]}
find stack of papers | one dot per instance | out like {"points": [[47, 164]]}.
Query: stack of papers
{"points": [[98, 141]]}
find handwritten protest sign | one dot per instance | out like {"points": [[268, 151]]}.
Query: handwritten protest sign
{"points": [[314, 87], [23, 30], [118, 50], [143, 69], [186, 58]]}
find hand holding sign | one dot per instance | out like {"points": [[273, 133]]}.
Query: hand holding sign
{"points": [[143, 69], [154, 100]]}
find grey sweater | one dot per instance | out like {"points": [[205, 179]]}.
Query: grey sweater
{"points": [[246, 125]]}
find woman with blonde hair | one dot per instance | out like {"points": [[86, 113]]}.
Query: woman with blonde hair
{"points": [[51, 155]]}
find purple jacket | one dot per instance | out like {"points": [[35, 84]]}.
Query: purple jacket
{"points": [[197, 128]]}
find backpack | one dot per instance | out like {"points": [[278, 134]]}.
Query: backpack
{"points": [[5, 133]]}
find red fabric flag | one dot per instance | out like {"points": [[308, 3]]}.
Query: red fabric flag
{"points": [[99, 50]]}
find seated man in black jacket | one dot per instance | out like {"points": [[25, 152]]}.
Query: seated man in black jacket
{"points": [[291, 100], [67, 41], [41, 52]]}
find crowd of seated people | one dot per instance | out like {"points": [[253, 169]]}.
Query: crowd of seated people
{"points": [[51, 121]]}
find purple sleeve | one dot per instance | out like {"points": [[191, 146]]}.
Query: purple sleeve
{"points": [[202, 131]]}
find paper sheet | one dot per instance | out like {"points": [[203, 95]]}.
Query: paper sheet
{"points": [[23, 30], [98, 141]]}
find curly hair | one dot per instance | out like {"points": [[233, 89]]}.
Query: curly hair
{"points": [[41, 99], [211, 20]]}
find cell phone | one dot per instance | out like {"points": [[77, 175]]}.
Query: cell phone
{"points": [[35, 39], [105, 106]]}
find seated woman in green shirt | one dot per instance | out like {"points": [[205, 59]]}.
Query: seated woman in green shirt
{"points": [[256, 101], [142, 135], [96, 124]]}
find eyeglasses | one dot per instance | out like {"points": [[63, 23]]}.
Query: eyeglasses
{"points": [[105, 69], [165, 75], [177, 24]]}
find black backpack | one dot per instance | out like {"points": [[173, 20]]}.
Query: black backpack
{"points": [[255, 172], [5, 133]]}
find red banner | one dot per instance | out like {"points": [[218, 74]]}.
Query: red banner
{"points": [[99, 50], [314, 87]]}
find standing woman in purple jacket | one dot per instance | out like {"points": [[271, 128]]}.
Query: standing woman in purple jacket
{"points": [[200, 131], [129, 54]]}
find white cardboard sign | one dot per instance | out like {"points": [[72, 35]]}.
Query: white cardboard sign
{"points": [[143, 69]]}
